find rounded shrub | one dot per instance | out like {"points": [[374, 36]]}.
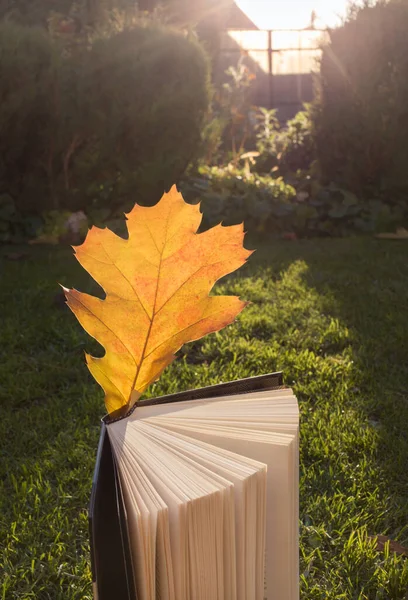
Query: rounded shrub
{"points": [[102, 127], [143, 98]]}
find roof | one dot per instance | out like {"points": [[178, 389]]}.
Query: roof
{"points": [[235, 18]]}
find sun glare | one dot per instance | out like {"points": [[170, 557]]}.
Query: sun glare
{"points": [[296, 48], [294, 51], [293, 14]]}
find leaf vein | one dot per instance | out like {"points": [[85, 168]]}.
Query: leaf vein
{"points": [[127, 280], [86, 308], [186, 281], [180, 331]]}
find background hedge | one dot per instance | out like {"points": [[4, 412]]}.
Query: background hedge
{"points": [[361, 113], [145, 95], [118, 121], [28, 77]]}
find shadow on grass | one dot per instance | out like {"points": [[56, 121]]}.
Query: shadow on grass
{"points": [[45, 389], [364, 284]]}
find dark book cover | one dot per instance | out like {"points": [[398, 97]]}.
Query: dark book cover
{"points": [[111, 559]]}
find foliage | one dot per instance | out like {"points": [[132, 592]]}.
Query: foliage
{"points": [[234, 125], [227, 196], [273, 206], [51, 227], [145, 92], [173, 270], [31, 12], [120, 119], [337, 212], [360, 119], [28, 79], [236, 99], [285, 150], [267, 127], [331, 313], [295, 143], [212, 137], [229, 123], [82, 12], [61, 226], [14, 227]]}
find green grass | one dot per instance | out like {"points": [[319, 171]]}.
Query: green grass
{"points": [[333, 315]]}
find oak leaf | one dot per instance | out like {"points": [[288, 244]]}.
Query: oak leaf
{"points": [[157, 284], [401, 234]]}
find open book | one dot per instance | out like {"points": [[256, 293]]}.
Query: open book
{"points": [[198, 499]]}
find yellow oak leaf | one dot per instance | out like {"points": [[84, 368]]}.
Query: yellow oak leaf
{"points": [[157, 284]]}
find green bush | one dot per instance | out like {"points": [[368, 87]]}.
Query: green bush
{"points": [[38, 12], [360, 117], [285, 150], [295, 143], [31, 12], [142, 103], [28, 66], [102, 127], [228, 196], [272, 206]]}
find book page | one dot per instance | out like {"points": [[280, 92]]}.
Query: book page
{"points": [[249, 479], [198, 484], [143, 412], [261, 427], [280, 453]]}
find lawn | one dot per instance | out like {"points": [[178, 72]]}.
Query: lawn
{"points": [[332, 314]]}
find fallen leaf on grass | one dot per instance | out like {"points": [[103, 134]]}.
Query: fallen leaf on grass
{"points": [[396, 547], [157, 284], [401, 234]]}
